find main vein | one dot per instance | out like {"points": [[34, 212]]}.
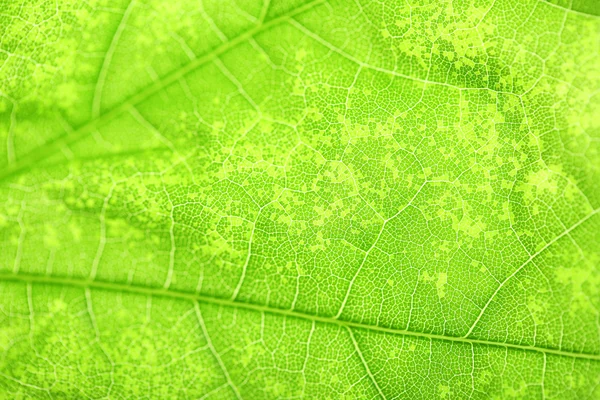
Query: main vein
{"points": [[202, 298]]}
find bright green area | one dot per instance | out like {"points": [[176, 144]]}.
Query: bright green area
{"points": [[228, 199]]}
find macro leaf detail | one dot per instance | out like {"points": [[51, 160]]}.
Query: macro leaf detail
{"points": [[300, 199]]}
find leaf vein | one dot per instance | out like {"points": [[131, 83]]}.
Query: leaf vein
{"points": [[202, 298], [47, 149]]}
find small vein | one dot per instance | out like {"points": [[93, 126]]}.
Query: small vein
{"points": [[10, 137], [264, 10], [373, 245], [237, 84], [363, 64], [207, 299], [214, 351], [102, 240], [364, 363], [90, 310], [212, 23], [97, 100], [530, 259]]}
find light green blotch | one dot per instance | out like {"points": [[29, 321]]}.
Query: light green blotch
{"points": [[301, 54], [321, 243], [539, 183], [515, 391], [51, 238], [440, 282], [58, 306], [463, 29], [543, 180], [274, 388], [76, 231], [476, 264], [444, 391], [584, 287], [571, 276], [251, 351], [575, 382], [471, 227], [538, 310]]}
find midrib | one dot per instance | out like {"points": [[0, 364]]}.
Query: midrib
{"points": [[202, 298]]}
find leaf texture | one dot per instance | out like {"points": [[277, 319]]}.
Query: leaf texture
{"points": [[300, 199]]}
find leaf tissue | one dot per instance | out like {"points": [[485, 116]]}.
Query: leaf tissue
{"points": [[291, 199]]}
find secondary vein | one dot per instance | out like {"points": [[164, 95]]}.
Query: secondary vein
{"points": [[57, 143]]}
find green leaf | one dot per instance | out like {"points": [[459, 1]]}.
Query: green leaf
{"points": [[300, 199]]}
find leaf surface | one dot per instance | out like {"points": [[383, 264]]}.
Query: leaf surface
{"points": [[300, 199]]}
